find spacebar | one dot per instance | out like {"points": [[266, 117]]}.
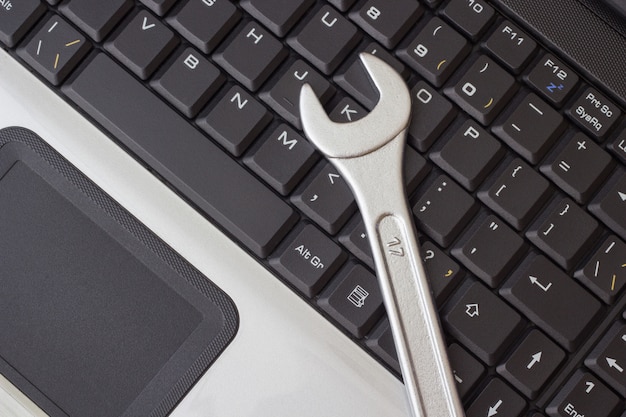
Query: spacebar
{"points": [[185, 158]]}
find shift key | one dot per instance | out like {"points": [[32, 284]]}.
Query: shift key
{"points": [[180, 154]]}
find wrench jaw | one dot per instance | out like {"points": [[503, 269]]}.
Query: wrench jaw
{"points": [[348, 140]]}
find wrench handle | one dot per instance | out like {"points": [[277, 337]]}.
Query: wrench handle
{"points": [[420, 346], [377, 184]]}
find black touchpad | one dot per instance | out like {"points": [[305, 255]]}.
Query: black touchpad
{"points": [[95, 318]]}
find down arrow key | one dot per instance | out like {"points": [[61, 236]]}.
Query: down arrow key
{"points": [[497, 400]]}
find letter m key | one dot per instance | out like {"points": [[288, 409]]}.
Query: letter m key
{"points": [[290, 143]]}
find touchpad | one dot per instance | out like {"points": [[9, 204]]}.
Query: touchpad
{"points": [[97, 316]]}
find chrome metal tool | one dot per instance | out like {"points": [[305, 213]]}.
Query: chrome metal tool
{"points": [[369, 155]]}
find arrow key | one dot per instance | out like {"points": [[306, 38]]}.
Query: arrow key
{"points": [[497, 400], [532, 363], [608, 359]]}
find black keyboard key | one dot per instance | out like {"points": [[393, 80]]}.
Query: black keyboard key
{"points": [[354, 238], [282, 159], [443, 274], [490, 249], [284, 96], [161, 7], [484, 90], [480, 320], [579, 168], [387, 21], [468, 371], [610, 204], [539, 290], [555, 236], [532, 363], [354, 300], [188, 82], [595, 113], [618, 146], [326, 39], [55, 49], [94, 17], [511, 46], [342, 5], [18, 19], [497, 399], [436, 52], [432, 114], [192, 19], [608, 359], [181, 155], [251, 56], [380, 341], [531, 129], [308, 260], [584, 395], [326, 199], [279, 16], [605, 272], [444, 210], [469, 155], [471, 17], [553, 79], [356, 82], [346, 110], [517, 194], [143, 44], [251, 116]]}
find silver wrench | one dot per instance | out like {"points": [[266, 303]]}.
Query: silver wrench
{"points": [[369, 155]]}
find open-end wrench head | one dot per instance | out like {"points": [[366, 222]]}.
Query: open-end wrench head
{"points": [[386, 121]]}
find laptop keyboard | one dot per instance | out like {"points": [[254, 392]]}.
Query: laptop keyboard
{"points": [[515, 168]]}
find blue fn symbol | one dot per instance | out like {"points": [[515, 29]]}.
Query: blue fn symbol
{"points": [[553, 87]]}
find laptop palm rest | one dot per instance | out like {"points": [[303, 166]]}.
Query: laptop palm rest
{"points": [[98, 317]]}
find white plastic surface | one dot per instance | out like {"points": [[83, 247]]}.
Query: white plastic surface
{"points": [[286, 360]]}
